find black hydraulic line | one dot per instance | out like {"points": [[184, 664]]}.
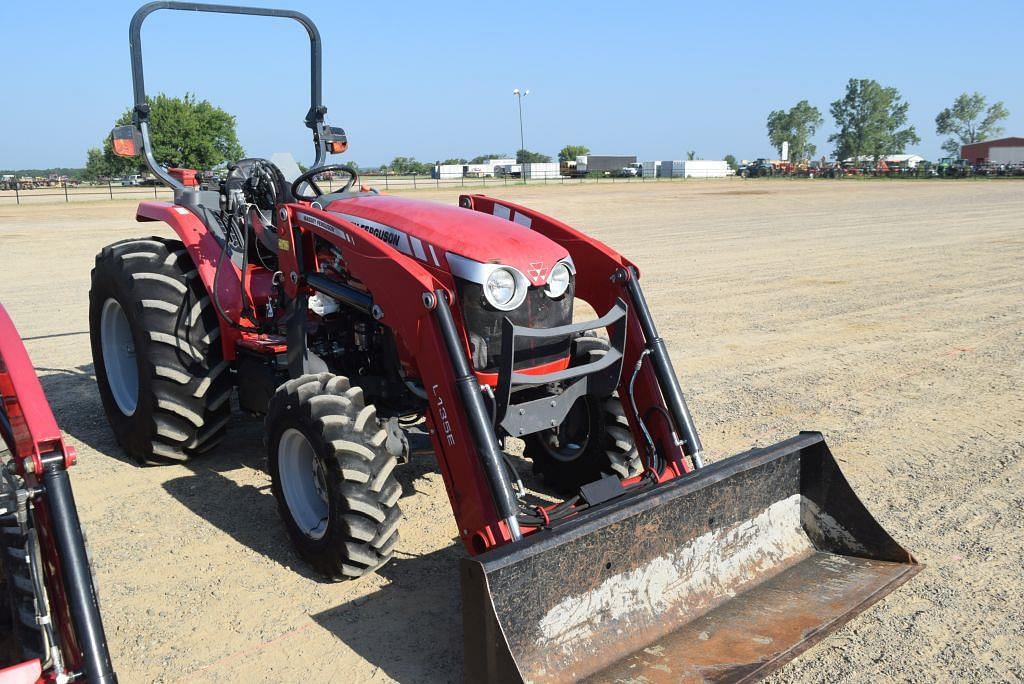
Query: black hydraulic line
{"points": [[476, 413], [81, 594], [345, 294], [665, 374]]}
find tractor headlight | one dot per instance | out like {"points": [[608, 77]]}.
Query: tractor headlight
{"points": [[500, 289], [558, 281]]}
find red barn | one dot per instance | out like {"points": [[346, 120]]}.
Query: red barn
{"points": [[1001, 151]]}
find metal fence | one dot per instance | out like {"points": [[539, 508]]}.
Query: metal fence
{"points": [[74, 193], [383, 182]]}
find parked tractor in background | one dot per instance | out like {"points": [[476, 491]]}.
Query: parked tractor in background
{"points": [[953, 167], [759, 168]]}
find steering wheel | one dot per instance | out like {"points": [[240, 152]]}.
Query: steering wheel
{"points": [[307, 178]]}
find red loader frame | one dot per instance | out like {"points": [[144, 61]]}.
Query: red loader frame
{"points": [[406, 295], [41, 458]]}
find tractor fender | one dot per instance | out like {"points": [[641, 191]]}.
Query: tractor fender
{"points": [[206, 252]]}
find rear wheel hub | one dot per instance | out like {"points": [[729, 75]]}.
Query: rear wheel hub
{"points": [[119, 356]]}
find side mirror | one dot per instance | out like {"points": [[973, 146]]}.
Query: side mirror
{"points": [[335, 139], [127, 141]]}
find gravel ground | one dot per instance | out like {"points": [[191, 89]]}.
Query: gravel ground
{"points": [[888, 315]]}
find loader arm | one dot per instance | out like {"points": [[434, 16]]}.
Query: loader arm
{"points": [[405, 298], [603, 276], [42, 458]]}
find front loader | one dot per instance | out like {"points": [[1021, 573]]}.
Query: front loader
{"points": [[369, 330], [50, 624]]}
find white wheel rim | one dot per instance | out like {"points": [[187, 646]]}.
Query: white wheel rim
{"points": [[119, 357], [303, 482]]}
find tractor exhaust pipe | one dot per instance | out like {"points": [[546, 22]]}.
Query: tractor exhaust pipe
{"points": [[722, 575]]}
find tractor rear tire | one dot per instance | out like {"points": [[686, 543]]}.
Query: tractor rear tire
{"points": [[603, 443], [156, 350], [332, 476]]}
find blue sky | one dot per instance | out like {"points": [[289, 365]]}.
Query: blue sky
{"points": [[434, 79]]}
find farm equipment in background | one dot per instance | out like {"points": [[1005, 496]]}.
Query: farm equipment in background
{"points": [[369, 329], [953, 167], [758, 168], [50, 626]]}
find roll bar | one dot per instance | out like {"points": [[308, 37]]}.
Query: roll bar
{"points": [[140, 112]]}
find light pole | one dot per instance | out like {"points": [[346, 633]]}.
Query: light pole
{"points": [[520, 94]]}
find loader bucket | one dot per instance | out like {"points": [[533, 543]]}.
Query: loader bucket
{"points": [[722, 575]]}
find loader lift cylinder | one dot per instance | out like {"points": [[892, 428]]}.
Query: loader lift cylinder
{"points": [[81, 594], [480, 424], [665, 373]]}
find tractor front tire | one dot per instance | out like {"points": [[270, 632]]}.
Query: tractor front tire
{"points": [[593, 441], [26, 637], [156, 350], [332, 476]]}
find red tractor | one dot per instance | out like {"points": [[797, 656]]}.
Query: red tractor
{"points": [[50, 625], [368, 329]]}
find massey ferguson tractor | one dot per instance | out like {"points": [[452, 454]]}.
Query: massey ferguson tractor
{"points": [[50, 625], [361, 325]]}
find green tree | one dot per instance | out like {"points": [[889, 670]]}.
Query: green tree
{"points": [[455, 160], [528, 157], [871, 120], [570, 152], [797, 126], [408, 166], [969, 121], [481, 158], [102, 164], [691, 155], [731, 161], [184, 131]]}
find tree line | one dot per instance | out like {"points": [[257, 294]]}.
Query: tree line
{"points": [[871, 121]]}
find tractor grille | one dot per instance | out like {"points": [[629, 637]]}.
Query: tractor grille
{"points": [[483, 326]]}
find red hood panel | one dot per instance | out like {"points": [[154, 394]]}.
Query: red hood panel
{"points": [[432, 228]]}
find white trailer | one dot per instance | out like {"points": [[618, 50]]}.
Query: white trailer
{"points": [[487, 167], [705, 168], [542, 170], [651, 169], [448, 171]]}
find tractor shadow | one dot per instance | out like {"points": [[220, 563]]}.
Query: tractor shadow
{"points": [[411, 628], [76, 405], [247, 511], [207, 490]]}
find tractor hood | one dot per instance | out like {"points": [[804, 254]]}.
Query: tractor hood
{"points": [[430, 231]]}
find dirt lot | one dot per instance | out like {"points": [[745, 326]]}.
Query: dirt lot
{"points": [[888, 315]]}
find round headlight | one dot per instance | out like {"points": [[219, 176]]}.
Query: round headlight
{"points": [[500, 288], [558, 281]]}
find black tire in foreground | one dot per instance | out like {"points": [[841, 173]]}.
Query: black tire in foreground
{"points": [[332, 476], [156, 351], [592, 442], [21, 598]]}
